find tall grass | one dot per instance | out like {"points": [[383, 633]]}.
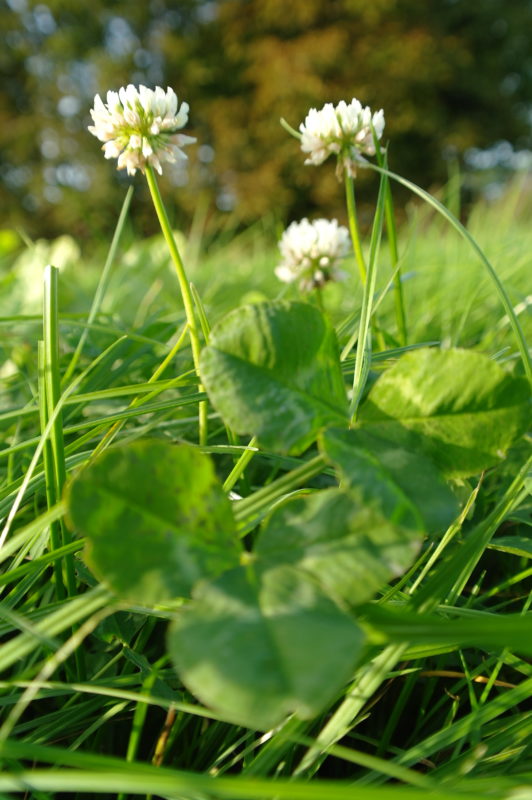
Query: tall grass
{"points": [[91, 704]]}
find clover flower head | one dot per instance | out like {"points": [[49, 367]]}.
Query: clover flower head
{"points": [[139, 127], [311, 253], [345, 130]]}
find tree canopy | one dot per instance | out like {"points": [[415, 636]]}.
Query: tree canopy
{"points": [[449, 75]]}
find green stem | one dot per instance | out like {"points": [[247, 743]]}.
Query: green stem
{"points": [[499, 286], [206, 329], [268, 494], [20, 492], [51, 371], [448, 583], [48, 464], [399, 301], [240, 465], [184, 286], [446, 539], [140, 399], [139, 716], [342, 721], [204, 322], [318, 296], [52, 385], [353, 226], [363, 352], [275, 749]]}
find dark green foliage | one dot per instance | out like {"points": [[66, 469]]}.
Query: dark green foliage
{"points": [[272, 370], [406, 486], [349, 548], [155, 518], [245, 643], [273, 631]]}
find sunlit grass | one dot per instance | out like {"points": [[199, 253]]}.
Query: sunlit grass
{"points": [[87, 687]]}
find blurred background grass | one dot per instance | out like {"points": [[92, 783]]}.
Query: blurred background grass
{"points": [[449, 296], [454, 79]]}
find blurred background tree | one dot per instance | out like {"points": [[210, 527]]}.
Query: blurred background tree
{"points": [[451, 76]]}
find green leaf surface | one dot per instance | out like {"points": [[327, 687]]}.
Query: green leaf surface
{"points": [[516, 545], [272, 370], [405, 487], [489, 631], [256, 646], [351, 550], [156, 520], [456, 406]]}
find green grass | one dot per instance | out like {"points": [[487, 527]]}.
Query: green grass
{"points": [[90, 702]]}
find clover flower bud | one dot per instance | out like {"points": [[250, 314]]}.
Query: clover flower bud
{"points": [[345, 130], [139, 127], [311, 253]]}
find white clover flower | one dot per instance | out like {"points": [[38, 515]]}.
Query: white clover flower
{"points": [[345, 130], [311, 253], [139, 127]]}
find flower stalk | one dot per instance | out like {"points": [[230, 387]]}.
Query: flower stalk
{"points": [[363, 353], [399, 301], [139, 127], [184, 286], [353, 226]]}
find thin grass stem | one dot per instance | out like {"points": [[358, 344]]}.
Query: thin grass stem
{"points": [[69, 648], [52, 383], [49, 473], [399, 301], [241, 465], [363, 352], [343, 719], [264, 497], [25, 483], [102, 286], [499, 286], [446, 539], [353, 226], [141, 399], [204, 322], [139, 716]]}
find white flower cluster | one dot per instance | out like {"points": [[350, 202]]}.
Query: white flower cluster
{"points": [[311, 253], [345, 130], [139, 127]]}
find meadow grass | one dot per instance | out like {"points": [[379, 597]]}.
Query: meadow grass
{"points": [[91, 703]]}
